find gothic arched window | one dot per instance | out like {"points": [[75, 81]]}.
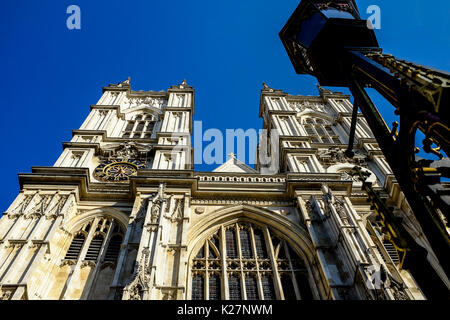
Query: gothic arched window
{"points": [[198, 287], [214, 287], [251, 287], [245, 270], [94, 248], [320, 131], [234, 285], [112, 253], [75, 247], [140, 127], [268, 289], [95, 234]]}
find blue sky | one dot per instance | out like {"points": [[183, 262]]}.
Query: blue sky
{"points": [[225, 49]]}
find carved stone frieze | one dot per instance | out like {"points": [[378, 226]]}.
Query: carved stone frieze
{"points": [[21, 206], [335, 155], [67, 262], [144, 101], [219, 201], [303, 105], [125, 151], [88, 263]]}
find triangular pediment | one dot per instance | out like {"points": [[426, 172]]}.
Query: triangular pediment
{"points": [[234, 165]]}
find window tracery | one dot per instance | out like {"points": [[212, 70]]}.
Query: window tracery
{"points": [[97, 235], [140, 127], [320, 131], [243, 261]]}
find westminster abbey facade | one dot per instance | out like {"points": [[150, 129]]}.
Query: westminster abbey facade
{"points": [[123, 215]]}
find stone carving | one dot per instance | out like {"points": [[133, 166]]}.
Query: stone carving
{"points": [[44, 204], [136, 101], [309, 207], [103, 113], [56, 209], [346, 176], [384, 280], [137, 288], [248, 201], [155, 207], [300, 106], [324, 91], [183, 84], [168, 294], [267, 88], [200, 210], [331, 201], [142, 210], [37, 205], [67, 262], [178, 211], [245, 179], [88, 263], [339, 6], [120, 85], [127, 152], [397, 288], [336, 155], [5, 295], [20, 208]]}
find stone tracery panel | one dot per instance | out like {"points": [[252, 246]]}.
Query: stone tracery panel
{"points": [[248, 262]]}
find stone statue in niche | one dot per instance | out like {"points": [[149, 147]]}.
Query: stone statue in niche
{"points": [[331, 201], [156, 204], [177, 213]]}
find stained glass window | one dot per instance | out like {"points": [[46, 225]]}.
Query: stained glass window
{"points": [[246, 245], [201, 253], [231, 244], [288, 287], [212, 254], [215, 240], [268, 289], [214, 287], [234, 286], [255, 271], [260, 244], [303, 284], [251, 288], [198, 287]]}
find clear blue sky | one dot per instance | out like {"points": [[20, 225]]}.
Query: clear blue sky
{"points": [[225, 49]]}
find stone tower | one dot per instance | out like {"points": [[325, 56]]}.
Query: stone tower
{"points": [[123, 215]]}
